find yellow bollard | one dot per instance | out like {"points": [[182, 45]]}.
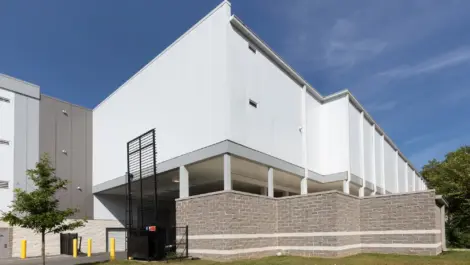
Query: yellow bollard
{"points": [[23, 249], [112, 249], [89, 247], [74, 248]]}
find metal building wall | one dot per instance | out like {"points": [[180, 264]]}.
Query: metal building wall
{"points": [[65, 133]]}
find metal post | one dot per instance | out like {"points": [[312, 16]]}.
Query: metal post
{"points": [[112, 247], [23, 249], [129, 191], [141, 187], [155, 175], [89, 247], [187, 242], [74, 248]]}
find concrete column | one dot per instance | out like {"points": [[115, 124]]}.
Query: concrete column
{"points": [[397, 183], [346, 184], [270, 182], [303, 115], [443, 228], [227, 173], [406, 177], [374, 172], [303, 186], [184, 182], [362, 154]]}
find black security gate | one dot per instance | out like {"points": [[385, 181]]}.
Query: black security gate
{"points": [[144, 239], [141, 165]]}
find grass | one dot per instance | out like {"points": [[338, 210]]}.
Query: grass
{"points": [[449, 258]]}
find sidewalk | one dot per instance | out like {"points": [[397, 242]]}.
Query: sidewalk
{"points": [[62, 260]]}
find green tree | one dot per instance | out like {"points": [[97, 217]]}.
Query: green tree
{"points": [[451, 179], [39, 209]]}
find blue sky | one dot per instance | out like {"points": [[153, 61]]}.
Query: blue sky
{"points": [[407, 62]]}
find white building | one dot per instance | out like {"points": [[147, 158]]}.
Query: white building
{"points": [[229, 113], [220, 82]]}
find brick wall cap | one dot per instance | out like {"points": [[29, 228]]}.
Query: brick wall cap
{"points": [[265, 197], [400, 194]]}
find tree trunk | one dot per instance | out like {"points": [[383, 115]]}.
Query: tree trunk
{"points": [[43, 247]]}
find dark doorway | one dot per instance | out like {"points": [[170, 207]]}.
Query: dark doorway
{"points": [[66, 243]]}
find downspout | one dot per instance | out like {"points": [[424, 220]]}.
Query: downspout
{"points": [[346, 182], [374, 169], [397, 176], [361, 142], [382, 143], [406, 177], [303, 131]]}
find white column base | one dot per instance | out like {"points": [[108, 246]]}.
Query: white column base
{"points": [[184, 182], [303, 186], [346, 186], [227, 173], [361, 192], [270, 182]]}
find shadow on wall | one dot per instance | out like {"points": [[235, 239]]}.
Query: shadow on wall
{"points": [[110, 207]]}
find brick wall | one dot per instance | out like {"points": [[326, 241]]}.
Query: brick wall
{"points": [[94, 229], [231, 224]]}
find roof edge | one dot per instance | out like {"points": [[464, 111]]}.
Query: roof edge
{"points": [[243, 28], [224, 2]]}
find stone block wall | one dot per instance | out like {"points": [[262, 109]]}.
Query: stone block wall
{"points": [[94, 229], [229, 224]]}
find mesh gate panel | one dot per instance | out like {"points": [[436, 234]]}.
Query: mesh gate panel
{"points": [[141, 185]]}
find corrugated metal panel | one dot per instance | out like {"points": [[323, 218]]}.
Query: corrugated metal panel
{"points": [[120, 238]]}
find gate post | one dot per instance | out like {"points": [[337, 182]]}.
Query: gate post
{"points": [[187, 242]]}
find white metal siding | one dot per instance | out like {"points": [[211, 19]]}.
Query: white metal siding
{"points": [[334, 136], [378, 159], [368, 151], [355, 140], [182, 93], [120, 237], [401, 174], [26, 139], [390, 168], [7, 131], [417, 183], [410, 179], [314, 155], [272, 127]]}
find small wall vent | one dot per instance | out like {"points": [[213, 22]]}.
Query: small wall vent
{"points": [[4, 100], [5, 142], [253, 103], [3, 184], [252, 48]]}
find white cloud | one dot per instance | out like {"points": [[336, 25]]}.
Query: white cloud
{"points": [[456, 96], [344, 49], [437, 150], [382, 106], [417, 139], [338, 34], [447, 60]]}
